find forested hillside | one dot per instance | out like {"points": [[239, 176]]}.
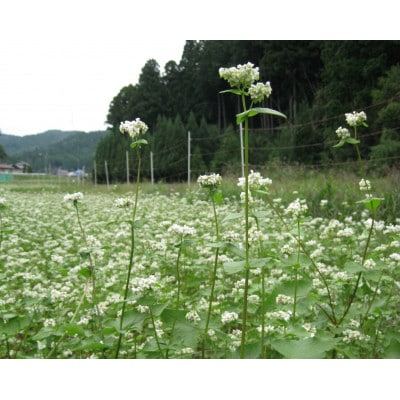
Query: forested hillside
{"points": [[313, 83], [49, 151]]}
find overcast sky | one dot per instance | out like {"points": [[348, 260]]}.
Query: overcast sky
{"points": [[62, 62]]}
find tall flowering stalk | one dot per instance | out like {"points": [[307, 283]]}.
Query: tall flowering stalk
{"points": [[355, 120], [211, 183], [134, 129], [296, 210], [242, 81], [182, 231], [88, 253]]}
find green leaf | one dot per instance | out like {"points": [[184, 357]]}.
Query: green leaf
{"points": [[296, 259], [234, 91], [258, 262], [234, 267], [255, 111], [232, 216], [372, 203], [235, 250], [186, 333], [138, 142], [10, 326], [353, 267], [393, 350], [351, 140], [157, 309], [74, 329], [217, 245], [306, 348], [340, 144], [86, 272]]}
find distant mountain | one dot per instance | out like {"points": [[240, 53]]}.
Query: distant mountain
{"points": [[52, 150]]}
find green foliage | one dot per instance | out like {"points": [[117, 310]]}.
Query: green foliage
{"points": [[314, 83], [3, 154]]}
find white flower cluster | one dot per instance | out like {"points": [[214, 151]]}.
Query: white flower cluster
{"points": [[310, 329], [139, 285], [256, 181], [355, 118], [193, 316], [94, 247], [353, 335], [342, 133], [211, 181], [283, 299], [182, 230], [49, 322], [260, 91], [369, 264], [2, 201], [123, 202], [73, 197], [365, 185], [228, 316], [296, 208], [241, 76], [283, 315], [133, 128]]}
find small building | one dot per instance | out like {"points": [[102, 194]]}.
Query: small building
{"points": [[6, 169]]}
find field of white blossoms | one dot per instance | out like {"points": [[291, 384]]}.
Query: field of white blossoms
{"points": [[318, 287]]}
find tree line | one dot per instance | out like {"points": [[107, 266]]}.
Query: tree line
{"points": [[313, 83]]}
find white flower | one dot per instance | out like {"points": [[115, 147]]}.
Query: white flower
{"points": [[142, 309], [323, 203], [346, 232], [241, 76], [369, 263], [49, 322], [353, 335], [255, 180], [260, 91], [228, 316], [395, 256], [181, 229], [355, 118], [2, 201], [296, 208], [342, 133], [193, 316], [139, 285], [122, 202], [309, 328], [133, 128], [365, 185], [74, 197], [211, 181], [283, 299], [187, 350], [284, 315]]}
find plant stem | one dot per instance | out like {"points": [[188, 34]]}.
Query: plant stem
{"points": [[132, 251], [213, 278], [353, 295], [178, 282], [332, 317], [296, 276], [155, 332], [247, 264]]}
